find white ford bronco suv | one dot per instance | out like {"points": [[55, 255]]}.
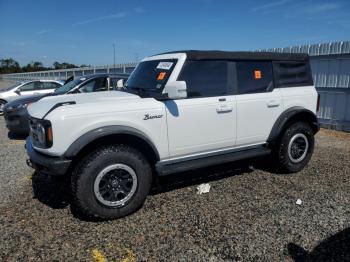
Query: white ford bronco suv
{"points": [[177, 111]]}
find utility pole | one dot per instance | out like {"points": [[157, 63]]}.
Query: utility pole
{"points": [[114, 57]]}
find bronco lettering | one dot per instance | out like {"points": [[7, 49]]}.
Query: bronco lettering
{"points": [[147, 117]]}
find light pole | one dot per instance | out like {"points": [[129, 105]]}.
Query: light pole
{"points": [[114, 57]]}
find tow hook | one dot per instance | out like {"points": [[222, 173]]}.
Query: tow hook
{"points": [[29, 163]]}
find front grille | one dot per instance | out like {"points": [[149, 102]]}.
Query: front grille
{"points": [[11, 118]]}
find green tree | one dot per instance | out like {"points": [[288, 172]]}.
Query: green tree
{"points": [[9, 65], [37, 66], [34, 66], [63, 65], [57, 65]]}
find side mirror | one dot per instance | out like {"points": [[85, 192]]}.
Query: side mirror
{"points": [[176, 90], [120, 84], [18, 92]]}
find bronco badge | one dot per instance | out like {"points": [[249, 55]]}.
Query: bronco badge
{"points": [[147, 117]]}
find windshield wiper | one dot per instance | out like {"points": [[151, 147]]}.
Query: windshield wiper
{"points": [[138, 90], [142, 91]]}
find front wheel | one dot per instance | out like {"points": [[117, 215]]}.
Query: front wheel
{"points": [[296, 147], [111, 182]]}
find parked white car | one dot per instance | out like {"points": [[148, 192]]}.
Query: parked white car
{"points": [[179, 111], [28, 88]]}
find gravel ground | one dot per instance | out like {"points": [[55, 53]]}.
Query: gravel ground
{"points": [[4, 84], [248, 215]]}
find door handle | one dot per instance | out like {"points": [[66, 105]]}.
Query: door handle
{"points": [[224, 109], [273, 103]]}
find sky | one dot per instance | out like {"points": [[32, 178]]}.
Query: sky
{"points": [[83, 32]]}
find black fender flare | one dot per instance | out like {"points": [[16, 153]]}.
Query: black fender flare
{"points": [[100, 132], [287, 115]]}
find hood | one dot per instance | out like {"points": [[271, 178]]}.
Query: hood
{"points": [[46, 104], [4, 93], [11, 89], [26, 99]]}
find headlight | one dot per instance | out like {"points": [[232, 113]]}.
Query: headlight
{"points": [[41, 132], [18, 106]]}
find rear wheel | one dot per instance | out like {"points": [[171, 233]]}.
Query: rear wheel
{"points": [[111, 182], [296, 147]]}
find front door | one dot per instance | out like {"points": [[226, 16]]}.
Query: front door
{"points": [[30, 88], [206, 120]]}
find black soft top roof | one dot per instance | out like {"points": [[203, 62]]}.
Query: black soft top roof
{"points": [[227, 55]]}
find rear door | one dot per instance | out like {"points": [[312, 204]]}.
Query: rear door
{"points": [[259, 104], [206, 120]]}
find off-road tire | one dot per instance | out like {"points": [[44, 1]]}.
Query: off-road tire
{"points": [[84, 175], [286, 165]]}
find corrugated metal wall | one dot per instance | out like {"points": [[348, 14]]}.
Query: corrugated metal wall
{"points": [[331, 48], [330, 63], [332, 81], [331, 72], [335, 109]]}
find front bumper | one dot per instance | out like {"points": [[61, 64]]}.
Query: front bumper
{"points": [[17, 121], [46, 164]]}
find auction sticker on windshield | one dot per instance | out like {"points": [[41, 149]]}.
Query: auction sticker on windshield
{"points": [[164, 65]]}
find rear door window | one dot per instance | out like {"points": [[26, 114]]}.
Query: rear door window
{"points": [[50, 85], [205, 78], [292, 73], [254, 77]]}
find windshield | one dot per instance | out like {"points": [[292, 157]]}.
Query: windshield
{"points": [[12, 87], [151, 75], [69, 86]]}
